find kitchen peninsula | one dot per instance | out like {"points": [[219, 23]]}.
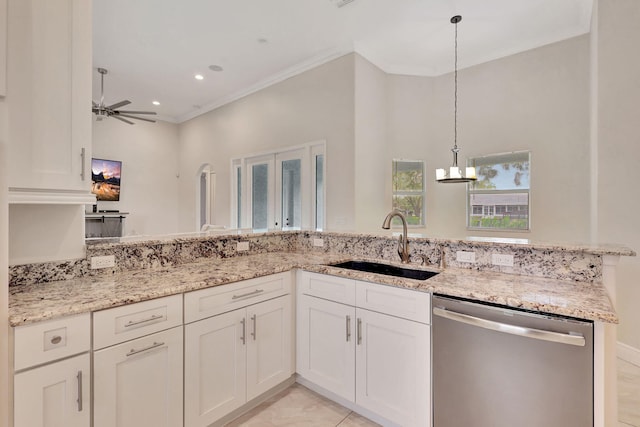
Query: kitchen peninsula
{"points": [[575, 281]]}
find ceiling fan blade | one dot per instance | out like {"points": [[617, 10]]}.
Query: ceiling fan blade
{"points": [[119, 104], [133, 117], [136, 112], [122, 120]]}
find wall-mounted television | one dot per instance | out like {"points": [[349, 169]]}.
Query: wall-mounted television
{"points": [[105, 179]]}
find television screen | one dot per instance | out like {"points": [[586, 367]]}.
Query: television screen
{"points": [[105, 179]]}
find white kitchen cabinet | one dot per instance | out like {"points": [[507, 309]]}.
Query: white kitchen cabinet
{"points": [[233, 357], [54, 395], [48, 94], [139, 382], [378, 361], [393, 361], [325, 345], [52, 373]]}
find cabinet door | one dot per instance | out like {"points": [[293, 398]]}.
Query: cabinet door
{"points": [[215, 367], [268, 345], [49, 87], [325, 345], [393, 368], [139, 382], [55, 395]]}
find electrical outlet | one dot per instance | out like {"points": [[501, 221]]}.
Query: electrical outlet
{"points": [[463, 256], [242, 246], [505, 260], [318, 243], [105, 261]]}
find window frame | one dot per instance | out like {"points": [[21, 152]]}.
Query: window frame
{"points": [[471, 191], [422, 193]]}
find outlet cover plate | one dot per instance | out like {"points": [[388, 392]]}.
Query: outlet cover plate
{"points": [[318, 243], [105, 261], [242, 246], [505, 260], [464, 256]]}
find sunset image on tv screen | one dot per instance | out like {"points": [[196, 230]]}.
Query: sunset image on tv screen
{"points": [[105, 179]]}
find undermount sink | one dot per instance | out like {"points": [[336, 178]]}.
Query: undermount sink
{"points": [[389, 270]]}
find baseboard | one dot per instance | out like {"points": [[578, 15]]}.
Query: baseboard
{"points": [[628, 353]]}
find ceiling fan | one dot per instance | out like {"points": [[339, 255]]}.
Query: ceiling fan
{"points": [[101, 111]]}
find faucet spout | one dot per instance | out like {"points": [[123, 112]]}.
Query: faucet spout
{"points": [[403, 241]]}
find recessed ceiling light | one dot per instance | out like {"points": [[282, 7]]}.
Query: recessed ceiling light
{"points": [[155, 103], [199, 77], [215, 68]]}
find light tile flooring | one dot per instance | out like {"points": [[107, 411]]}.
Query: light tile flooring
{"points": [[628, 394], [299, 406]]}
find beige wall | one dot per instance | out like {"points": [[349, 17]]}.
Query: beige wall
{"points": [[619, 150], [312, 106], [372, 164], [149, 154], [537, 100], [4, 273]]}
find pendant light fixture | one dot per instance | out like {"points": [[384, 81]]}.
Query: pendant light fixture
{"points": [[455, 173]]}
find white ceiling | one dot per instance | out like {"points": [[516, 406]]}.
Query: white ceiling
{"points": [[153, 48]]}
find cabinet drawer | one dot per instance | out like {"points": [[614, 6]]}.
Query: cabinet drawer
{"points": [[399, 302], [46, 341], [221, 299], [333, 288], [120, 324]]}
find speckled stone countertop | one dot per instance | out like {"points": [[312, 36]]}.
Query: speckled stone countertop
{"points": [[37, 302]]}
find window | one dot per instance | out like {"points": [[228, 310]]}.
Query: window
{"points": [[408, 191], [499, 199]]}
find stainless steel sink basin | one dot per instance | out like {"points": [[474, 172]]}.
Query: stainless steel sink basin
{"points": [[389, 270]]}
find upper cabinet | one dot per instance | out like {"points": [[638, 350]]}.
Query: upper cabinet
{"points": [[48, 98]]}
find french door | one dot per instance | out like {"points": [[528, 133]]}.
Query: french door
{"points": [[275, 198]]}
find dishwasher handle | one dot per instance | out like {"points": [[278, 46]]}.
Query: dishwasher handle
{"points": [[577, 340]]}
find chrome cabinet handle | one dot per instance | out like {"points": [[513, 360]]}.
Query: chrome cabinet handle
{"points": [[243, 338], [253, 319], [359, 331], [79, 377], [348, 328], [82, 156], [248, 294], [152, 346], [577, 340], [150, 319]]}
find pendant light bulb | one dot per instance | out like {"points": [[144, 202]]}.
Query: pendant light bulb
{"points": [[455, 173]]}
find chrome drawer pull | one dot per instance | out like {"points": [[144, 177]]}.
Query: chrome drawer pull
{"points": [[79, 377], [248, 294], [150, 319], [359, 338], [152, 346], [56, 339], [243, 338]]}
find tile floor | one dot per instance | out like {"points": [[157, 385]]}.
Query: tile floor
{"points": [[628, 394], [299, 406]]}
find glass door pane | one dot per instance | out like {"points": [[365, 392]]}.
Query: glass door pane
{"points": [[260, 203], [291, 200]]}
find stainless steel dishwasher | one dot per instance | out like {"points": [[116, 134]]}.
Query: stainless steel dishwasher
{"points": [[499, 367]]}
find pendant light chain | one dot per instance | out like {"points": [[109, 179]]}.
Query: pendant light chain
{"points": [[455, 93]]}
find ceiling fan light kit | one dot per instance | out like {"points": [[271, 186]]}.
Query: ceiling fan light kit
{"points": [[103, 111]]}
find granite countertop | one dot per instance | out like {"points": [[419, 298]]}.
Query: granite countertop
{"points": [[37, 302]]}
